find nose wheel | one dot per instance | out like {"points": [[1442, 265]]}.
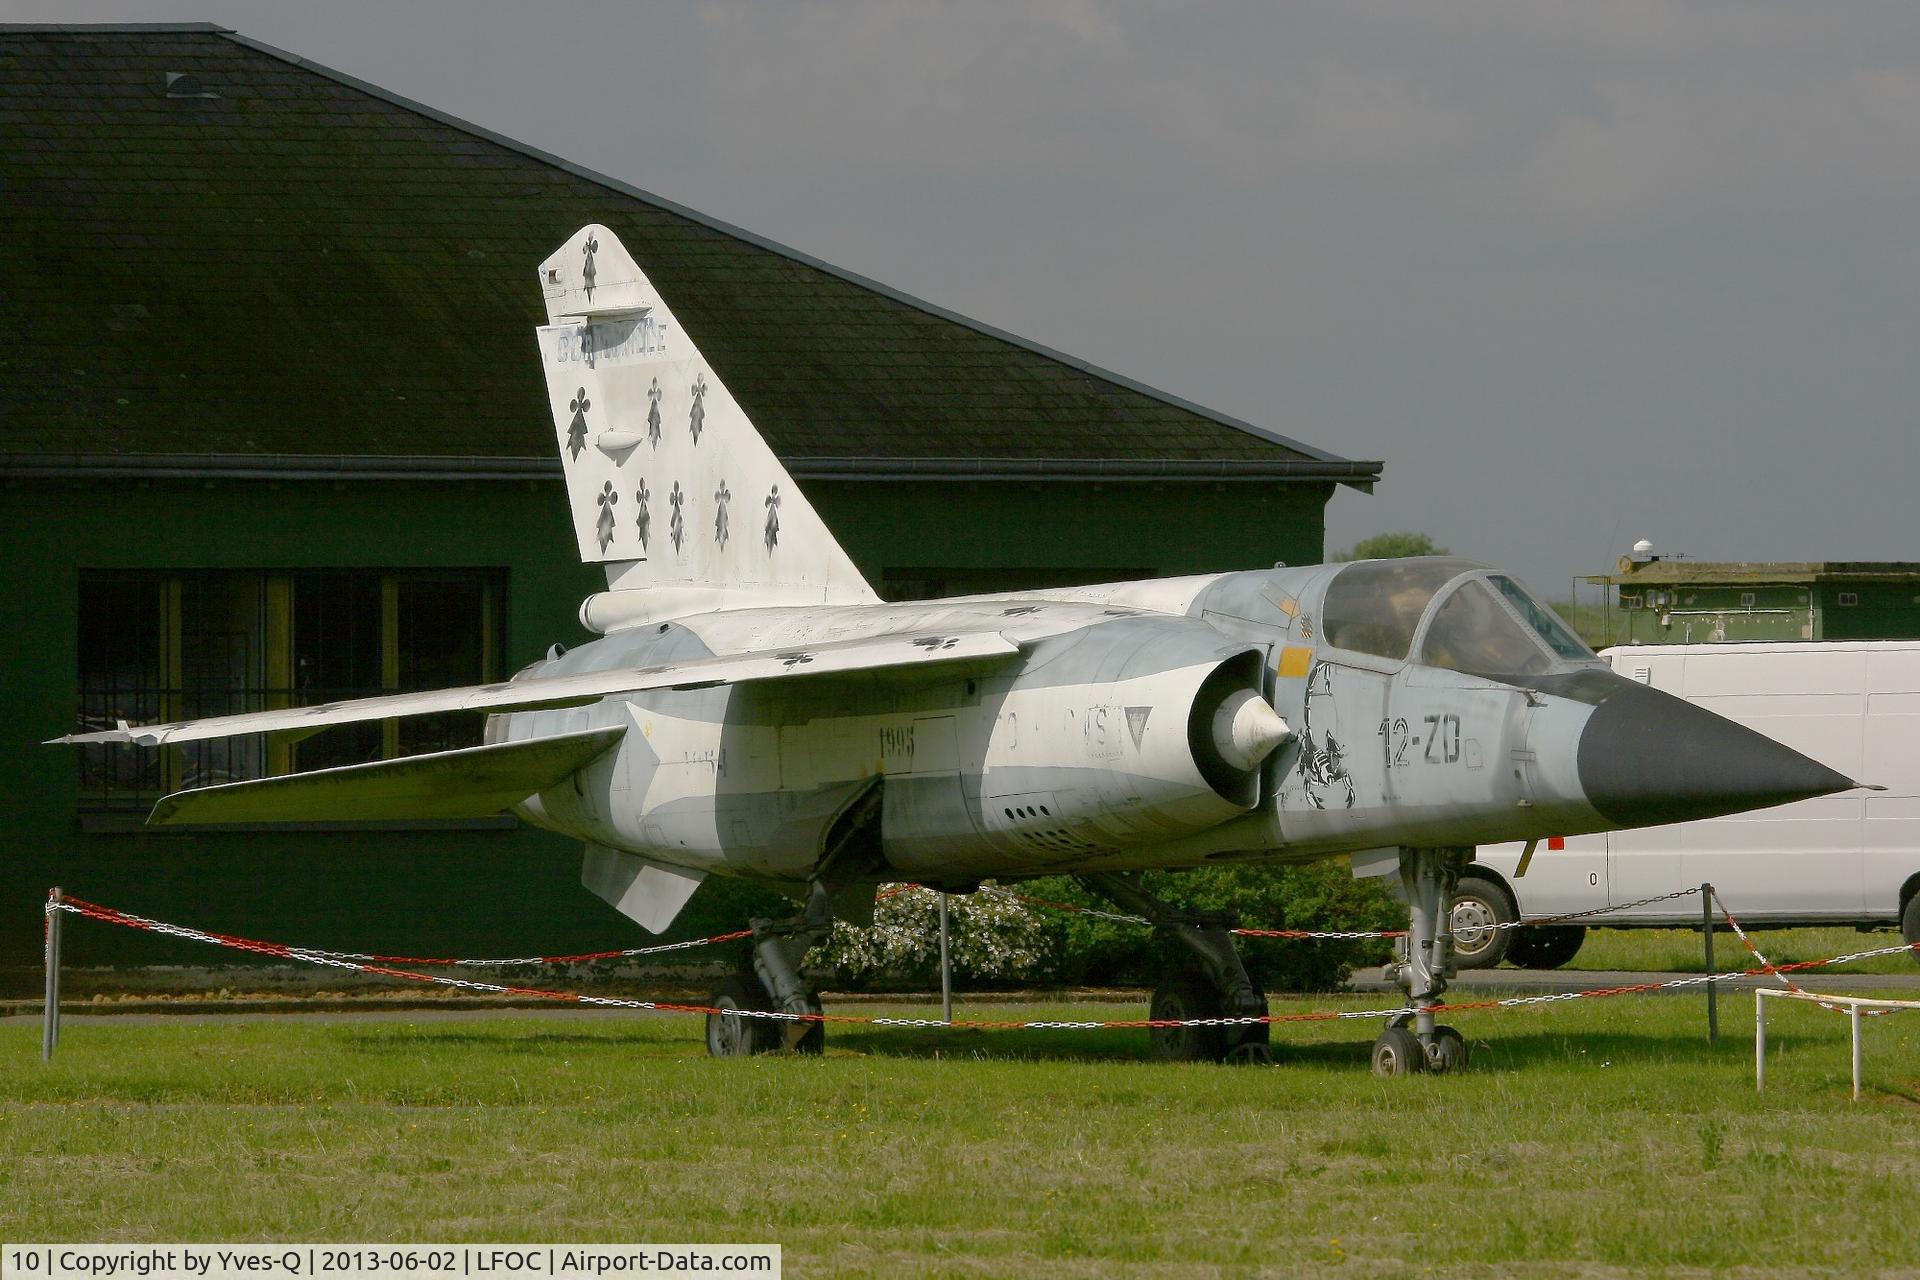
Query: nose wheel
{"points": [[1414, 1041], [1446, 1050], [1400, 1052]]}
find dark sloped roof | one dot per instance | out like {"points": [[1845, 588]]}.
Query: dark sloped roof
{"points": [[272, 259]]}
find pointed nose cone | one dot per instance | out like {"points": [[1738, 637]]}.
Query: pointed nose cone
{"points": [[1246, 729], [1648, 757]]}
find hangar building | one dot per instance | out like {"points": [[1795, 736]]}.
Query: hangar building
{"points": [[272, 430]]}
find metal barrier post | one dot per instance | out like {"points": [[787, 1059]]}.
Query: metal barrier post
{"points": [[946, 966], [50, 1019], [1853, 1018], [1706, 932], [1759, 1040]]}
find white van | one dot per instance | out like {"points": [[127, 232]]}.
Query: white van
{"points": [[1847, 859]]}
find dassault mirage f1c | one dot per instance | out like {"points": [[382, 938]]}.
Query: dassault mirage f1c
{"points": [[752, 709]]}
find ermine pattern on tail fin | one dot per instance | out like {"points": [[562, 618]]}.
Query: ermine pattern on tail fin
{"points": [[643, 422]]}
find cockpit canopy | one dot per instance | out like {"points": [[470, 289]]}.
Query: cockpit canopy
{"points": [[1463, 617]]}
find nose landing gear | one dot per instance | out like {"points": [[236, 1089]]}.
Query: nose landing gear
{"points": [[1417, 1041]]}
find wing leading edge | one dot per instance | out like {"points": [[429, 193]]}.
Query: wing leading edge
{"points": [[579, 690]]}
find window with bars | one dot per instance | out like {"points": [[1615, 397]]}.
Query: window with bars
{"points": [[156, 646]]}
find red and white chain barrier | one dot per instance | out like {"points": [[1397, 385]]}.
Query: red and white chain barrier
{"points": [[380, 966], [1777, 972], [110, 915], [1752, 948], [1693, 980], [1341, 934], [368, 964]]}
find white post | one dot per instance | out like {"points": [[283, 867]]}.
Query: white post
{"points": [[50, 1018], [946, 966], [1759, 1041], [1853, 1017]]}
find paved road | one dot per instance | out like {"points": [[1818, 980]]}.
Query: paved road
{"points": [[1543, 981]]}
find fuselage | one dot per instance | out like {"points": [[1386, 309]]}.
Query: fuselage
{"points": [[1085, 751]]}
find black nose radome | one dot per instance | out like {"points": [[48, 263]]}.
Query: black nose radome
{"points": [[1648, 758]]}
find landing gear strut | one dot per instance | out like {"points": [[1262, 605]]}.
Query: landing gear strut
{"points": [[773, 984], [1214, 984], [1418, 1042]]}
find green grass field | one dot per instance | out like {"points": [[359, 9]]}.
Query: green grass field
{"points": [[1587, 1138], [1679, 950]]}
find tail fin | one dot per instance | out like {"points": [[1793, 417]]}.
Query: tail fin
{"points": [[670, 485]]}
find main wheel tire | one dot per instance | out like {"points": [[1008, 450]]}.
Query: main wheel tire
{"points": [[815, 1041], [1398, 1053], [1180, 998], [1478, 906], [1910, 924], [1447, 1051], [1251, 1045], [730, 1036], [1555, 944]]}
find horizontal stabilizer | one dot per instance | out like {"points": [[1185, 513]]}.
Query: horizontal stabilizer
{"points": [[472, 782], [578, 690]]}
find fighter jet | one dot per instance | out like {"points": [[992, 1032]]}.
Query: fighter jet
{"points": [[751, 708]]}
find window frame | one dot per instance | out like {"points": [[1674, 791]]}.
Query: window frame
{"points": [[1483, 576]]}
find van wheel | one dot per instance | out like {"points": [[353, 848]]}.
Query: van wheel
{"points": [[1546, 946], [1524, 951], [1910, 924], [1479, 905]]}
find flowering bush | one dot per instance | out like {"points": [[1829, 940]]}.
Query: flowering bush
{"points": [[998, 940], [1321, 895], [992, 937]]}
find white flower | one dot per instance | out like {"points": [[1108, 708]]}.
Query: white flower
{"points": [[990, 936]]}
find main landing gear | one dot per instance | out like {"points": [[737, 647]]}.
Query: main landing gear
{"points": [[1416, 1042], [1212, 984], [772, 983]]}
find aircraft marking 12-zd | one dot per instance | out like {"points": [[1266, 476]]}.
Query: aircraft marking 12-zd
{"points": [[752, 709]]}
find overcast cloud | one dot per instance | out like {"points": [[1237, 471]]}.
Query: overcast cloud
{"points": [[1579, 273]]}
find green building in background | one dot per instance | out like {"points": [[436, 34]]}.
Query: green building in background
{"points": [[273, 431], [1653, 601]]}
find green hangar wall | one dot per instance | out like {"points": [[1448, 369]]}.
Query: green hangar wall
{"points": [[1708, 602], [272, 430]]}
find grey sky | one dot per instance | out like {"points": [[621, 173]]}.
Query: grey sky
{"points": [[1578, 272]]}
